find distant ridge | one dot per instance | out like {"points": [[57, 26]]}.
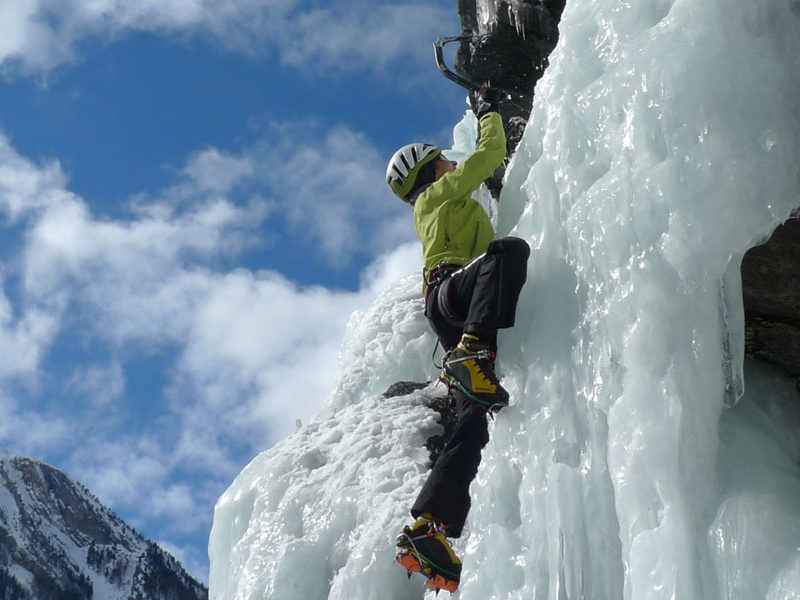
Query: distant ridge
{"points": [[58, 541]]}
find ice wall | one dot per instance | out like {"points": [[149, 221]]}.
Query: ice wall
{"points": [[664, 142]]}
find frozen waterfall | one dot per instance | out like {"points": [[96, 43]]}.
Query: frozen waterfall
{"points": [[642, 458]]}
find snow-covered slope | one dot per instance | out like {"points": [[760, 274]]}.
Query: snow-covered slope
{"points": [[664, 142], [58, 541]]}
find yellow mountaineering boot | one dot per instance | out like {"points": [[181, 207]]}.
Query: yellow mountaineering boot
{"points": [[423, 548], [469, 367]]}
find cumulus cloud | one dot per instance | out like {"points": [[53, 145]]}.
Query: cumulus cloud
{"points": [[101, 384], [37, 35], [29, 433], [330, 186], [127, 465], [261, 353], [25, 186], [214, 171], [23, 338], [242, 353], [347, 34]]}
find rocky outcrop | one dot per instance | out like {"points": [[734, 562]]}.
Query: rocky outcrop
{"points": [[771, 291], [508, 49], [58, 541]]}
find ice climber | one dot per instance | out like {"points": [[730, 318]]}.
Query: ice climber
{"points": [[472, 283]]}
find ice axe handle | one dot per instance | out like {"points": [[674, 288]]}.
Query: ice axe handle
{"points": [[438, 50]]}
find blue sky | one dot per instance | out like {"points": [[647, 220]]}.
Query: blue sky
{"points": [[192, 203]]}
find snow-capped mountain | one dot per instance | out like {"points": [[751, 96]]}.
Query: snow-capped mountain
{"points": [[57, 541], [641, 457]]}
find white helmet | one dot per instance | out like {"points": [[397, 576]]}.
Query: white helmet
{"points": [[403, 168]]}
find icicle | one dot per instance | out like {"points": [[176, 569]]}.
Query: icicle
{"points": [[487, 15], [514, 16]]}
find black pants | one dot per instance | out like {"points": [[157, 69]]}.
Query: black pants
{"points": [[483, 296]]}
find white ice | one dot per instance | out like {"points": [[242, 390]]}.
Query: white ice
{"points": [[642, 458]]}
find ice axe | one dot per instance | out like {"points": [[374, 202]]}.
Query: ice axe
{"points": [[438, 50]]}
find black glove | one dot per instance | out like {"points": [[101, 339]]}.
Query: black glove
{"points": [[485, 100]]}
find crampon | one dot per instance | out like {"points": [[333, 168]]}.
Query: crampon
{"points": [[412, 563], [428, 553]]}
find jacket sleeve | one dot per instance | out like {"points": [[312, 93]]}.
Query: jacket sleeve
{"points": [[478, 166]]}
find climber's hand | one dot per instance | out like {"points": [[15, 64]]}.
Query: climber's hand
{"points": [[485, 100]]}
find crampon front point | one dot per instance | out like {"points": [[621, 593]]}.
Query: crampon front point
{"points": [[413, 563]]}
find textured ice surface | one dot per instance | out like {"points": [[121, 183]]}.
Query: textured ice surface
{"points": [[663, 143]]}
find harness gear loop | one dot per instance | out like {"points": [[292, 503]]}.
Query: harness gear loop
{"points": [[437, 283]]}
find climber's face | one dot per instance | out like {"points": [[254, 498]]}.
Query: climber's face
{"points": [[444, 166]]}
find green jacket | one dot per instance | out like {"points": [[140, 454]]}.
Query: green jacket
{"points": [[452, 227]]}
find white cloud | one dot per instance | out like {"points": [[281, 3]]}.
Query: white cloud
{"points": [[101, 384], [331, 187], [23, 339], [366, 33], [29, 433], [25, 186], [131, 278], [127, 472], [175, 500], [245, 353], [38, 35], [24, 38], [217, 172], [262, 352]]}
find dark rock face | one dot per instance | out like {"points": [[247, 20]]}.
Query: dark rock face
{"points": [[510, 53], [771, 291]]}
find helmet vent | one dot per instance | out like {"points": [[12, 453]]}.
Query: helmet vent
{"points": [[402, 170]]}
